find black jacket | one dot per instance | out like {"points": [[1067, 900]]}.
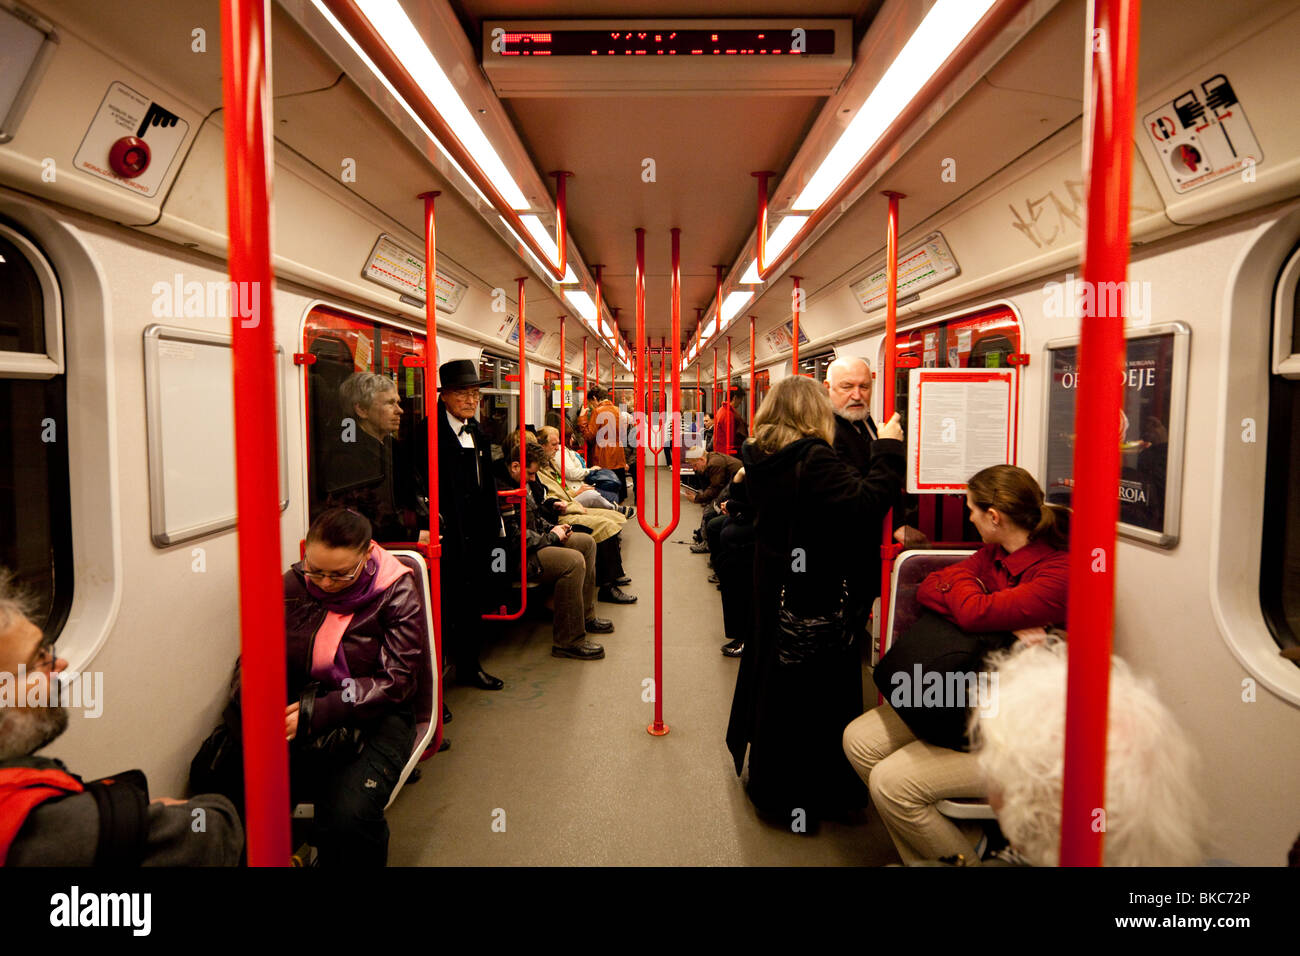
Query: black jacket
{"points": [[542, 517], [854, 444], [816, 518], [470, 516]]}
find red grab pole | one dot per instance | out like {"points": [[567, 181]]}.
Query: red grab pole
{"points": [[521, 493], [752, 320], [431, 412], [794, 302], [659, 535], [715, 384], [245, 47], [1096, 452], [563, 416], [887, 398], [613, 354]]}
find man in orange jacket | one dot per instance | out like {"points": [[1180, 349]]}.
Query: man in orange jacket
{"points": [[599, 423]]}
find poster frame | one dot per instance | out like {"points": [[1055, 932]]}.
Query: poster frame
{"points": [[1168, 536]]}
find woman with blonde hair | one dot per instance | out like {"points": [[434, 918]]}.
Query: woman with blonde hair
{"points": [[800, 677]]}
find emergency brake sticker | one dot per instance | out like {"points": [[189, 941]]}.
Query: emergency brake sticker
{"points": [[1203, 135], [132, 141]]}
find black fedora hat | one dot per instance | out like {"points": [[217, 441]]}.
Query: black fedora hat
{"points": [[459, 374]]}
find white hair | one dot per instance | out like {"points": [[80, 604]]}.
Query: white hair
{"points": [[15, 602], [844, 363], [1154, 814]]}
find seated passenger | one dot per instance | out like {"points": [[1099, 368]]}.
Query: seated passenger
{"points": [[717, 471], [48, 817], [601, 493], [602, 524], [1154, 812], [557, 555], [360, 680], [1013, 587], [359, 471], [794, 696]]}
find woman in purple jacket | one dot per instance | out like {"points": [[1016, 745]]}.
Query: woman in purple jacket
{"points": [[360, 681]]}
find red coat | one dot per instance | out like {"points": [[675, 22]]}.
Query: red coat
{"points": [[996, 591], [727, 439], [600, 424]]}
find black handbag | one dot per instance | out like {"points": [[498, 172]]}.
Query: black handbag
{"points": [[804, 639], [932, 677]]}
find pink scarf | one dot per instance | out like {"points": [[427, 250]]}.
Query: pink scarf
{"points": [[327, 658]]}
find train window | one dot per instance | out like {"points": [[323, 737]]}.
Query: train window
{"points": [[986, 338], [814, 366], [35, 503], [1279, 577], [499, 405], [343, 344]]}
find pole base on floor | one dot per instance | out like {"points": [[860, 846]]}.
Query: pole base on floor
{"points": [[657, 729]]}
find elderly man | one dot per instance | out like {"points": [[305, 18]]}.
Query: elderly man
{"points": [[1154, 814], [604, 525], [48, 816], [470, 519], [849, 382], [359, 472], [717, 470], [576, 475]]}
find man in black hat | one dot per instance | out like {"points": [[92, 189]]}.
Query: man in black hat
{"points": [[470, 519]]}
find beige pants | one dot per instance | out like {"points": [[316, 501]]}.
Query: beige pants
{"points": [[572, 567], [907, 777]]}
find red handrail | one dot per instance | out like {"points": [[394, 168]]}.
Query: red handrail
{"points": [[522, 491], [658, 535], [1090, 615], [431, 413], [752, 320], [245, 48], [354, 21], [794, 303], [888, 550], [563, 375], [992, 23]]}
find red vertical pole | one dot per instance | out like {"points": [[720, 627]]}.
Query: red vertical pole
{"points": [[887, 399], [584, 367], [245, 47], [613, 355], [563, 414], [715, 385], [431, 412], [794, 301], [752, 320], [731, 415], [1096, 452], [638, 379]]}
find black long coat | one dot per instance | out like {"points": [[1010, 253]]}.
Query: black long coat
{"points": [[471, 525], [792, 717]]}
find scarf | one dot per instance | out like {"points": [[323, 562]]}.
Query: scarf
{"points": [[380, 571], [22, 790]]}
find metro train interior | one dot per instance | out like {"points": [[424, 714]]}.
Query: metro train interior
{"points": [[564, 177]]}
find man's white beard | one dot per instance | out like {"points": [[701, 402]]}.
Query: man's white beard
{"points": [[853, 414], [25, 730]]}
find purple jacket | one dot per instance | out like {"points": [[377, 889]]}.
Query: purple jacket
{"points": [[385, 646]]}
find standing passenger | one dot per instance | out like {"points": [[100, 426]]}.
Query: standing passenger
{"points": [[812, 510], [600, 423], [470, 520]]}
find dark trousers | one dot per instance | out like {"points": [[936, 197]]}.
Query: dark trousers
{"points": [[462, 620], [621, 473], [734, 561], [350, 790], [713, 533], [609, 561]]}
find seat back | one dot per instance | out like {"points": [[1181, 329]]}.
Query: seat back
{"points": [[426, 692], [910, 569]]}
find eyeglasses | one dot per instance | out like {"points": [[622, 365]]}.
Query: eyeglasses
{"points": [[44, 657], [332, 575]]}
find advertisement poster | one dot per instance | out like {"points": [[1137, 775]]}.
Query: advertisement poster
{"points": [[532, 336], [1154, 383]]}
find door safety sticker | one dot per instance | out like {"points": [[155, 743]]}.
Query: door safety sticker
{"points": [[1203, 135]]}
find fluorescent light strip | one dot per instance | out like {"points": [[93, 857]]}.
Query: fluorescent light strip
{"points": [[391, 22], [582, 302], [538, 232], [944, 27], [733, 303], [777, 240]]}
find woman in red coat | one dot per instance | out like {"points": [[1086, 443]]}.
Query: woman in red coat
{"points": [[1014, 585]]}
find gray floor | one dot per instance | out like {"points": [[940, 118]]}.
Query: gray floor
{"points": [[558, 768]]}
